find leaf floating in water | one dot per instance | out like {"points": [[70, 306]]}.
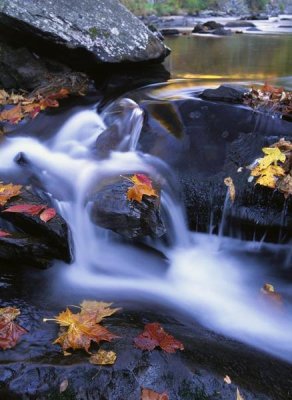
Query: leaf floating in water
{"points": [[8, 191], [148, 394], [103, 357], [48, 214], [155, 336], [10, 332], [231, 188], [142, 186]]}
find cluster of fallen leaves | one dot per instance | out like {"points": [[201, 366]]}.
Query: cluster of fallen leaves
{"points": [[270, 98], [142, 186], [22, 105], [274, 170], [8, 191]]}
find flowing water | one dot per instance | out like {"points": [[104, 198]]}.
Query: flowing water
{"points": [[215, 280]]}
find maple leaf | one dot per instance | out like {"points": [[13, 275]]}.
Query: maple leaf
{"points": [[98, 309], [142, 186], [231, 188], [8, 191], [10, 332], [273, 154], [268, 177], [48, 214], [148, 394], [79, 330], [103, 357], [155, 336], [31, 209]]}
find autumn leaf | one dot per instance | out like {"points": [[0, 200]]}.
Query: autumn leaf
{"points": [[231, 188], [273, 154], [285, 185], [4, 234], [48, 214], [98, 309], [13, 115], [148, 394], [8, 191], [155, 336], [142, 186], [31, 209], [268, 177], [268, 292], [227, 380], [10, 332], [238, 395], [103, 357]]}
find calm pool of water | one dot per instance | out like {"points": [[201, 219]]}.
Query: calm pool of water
{"points": [[237, 57]]}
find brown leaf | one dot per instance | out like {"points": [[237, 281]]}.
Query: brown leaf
{"points": [[155, 336], [10, 332], [31, 209], [48, 214], [8, 191], [148, 394], [268, 292], [231, 188], [98, 309], [103, 357]]}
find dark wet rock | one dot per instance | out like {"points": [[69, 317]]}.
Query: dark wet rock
{"points": [[239, 24], [45, 240], [216, 140], [255, 17], [211, 25], [20, 68], [170, 32], [199, 28], [222, 32], [105, 32], [253, 30], [227, 93], [285, 26], [111, 210]]}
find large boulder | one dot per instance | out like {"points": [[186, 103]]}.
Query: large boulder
{"points": [[101, 31]]}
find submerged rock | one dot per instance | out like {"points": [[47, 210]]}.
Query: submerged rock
{"points": [[102, 31], [111, 210]]}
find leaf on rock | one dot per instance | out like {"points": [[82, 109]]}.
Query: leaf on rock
{"points": [[10, 332], [238, 395], [8, 191], [227, 380], [31, 209], [48, 214], [273, 155], [98, 309], [148, 394], [103, 357], [231, 188], [142, 186], [269, 176], [155, 336], [4, 234], [285, 185], [64, 385], [13, 115]]}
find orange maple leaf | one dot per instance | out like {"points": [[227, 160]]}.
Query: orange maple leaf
{"points": [[142, 186]]}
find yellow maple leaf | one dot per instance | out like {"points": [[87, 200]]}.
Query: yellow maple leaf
{"points": [[103, 357], [268, 176], [273, 154]]}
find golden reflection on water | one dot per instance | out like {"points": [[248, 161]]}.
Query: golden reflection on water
{"points": [[238, 57]]}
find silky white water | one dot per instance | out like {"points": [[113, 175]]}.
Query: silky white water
{"points": [[202, 275]]}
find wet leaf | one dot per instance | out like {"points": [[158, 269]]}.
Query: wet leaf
{"points": [[13, 115], [238, 395], [269, 176], [4, 234], [285, 185], [103, 357], [98, 309], [227, 380], [273, 154], [64, 385], [268, 292], [10, 332], [155, 336], [31, 209], [48, 214], [148, 394], [142, 186], [231, 188], [8, 191]]}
